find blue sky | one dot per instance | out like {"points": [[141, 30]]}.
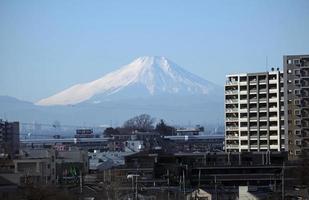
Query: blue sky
{"points": [[47, 46]]}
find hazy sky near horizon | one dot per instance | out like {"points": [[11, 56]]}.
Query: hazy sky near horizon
{"points": [[47, 46]]}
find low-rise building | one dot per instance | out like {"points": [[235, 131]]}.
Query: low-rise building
{"points": [[49, 166]]}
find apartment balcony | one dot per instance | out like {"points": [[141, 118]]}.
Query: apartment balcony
{"points": [[273, 99], [262, 91], [231, 110], [243, 101], [273, 109], [254, 100], [253, 91], [252, 109], [231, 83], [273, 137], [253, 146], [243, 137], [245, 128], [262, 81], [253, 118], [243, 119], [273, 91], [231, 137], [264, 110], [243, 83], [244, 146], [243, 92], [231, 92], [232, 146], [243, 110], [252, 82], [253, 137], [273, 118], [231, 101], [232, 128], [273, 146], [253, 128], [263, 127], [273, 81], [263, 118], [263, 137], [273, 128], [231, 119], [262, 100], [263, 147]]}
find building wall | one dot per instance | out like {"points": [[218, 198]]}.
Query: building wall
{"points": [[296, 76], [9, 138], [254, 114]]}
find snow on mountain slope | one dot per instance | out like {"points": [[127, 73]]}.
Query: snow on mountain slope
{"points": [[156, 75]]}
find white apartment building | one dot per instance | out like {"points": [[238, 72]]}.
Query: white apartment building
{"points": [[254, 114]]}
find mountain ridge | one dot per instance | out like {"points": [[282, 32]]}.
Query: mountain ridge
{"points": [[145, 76]]}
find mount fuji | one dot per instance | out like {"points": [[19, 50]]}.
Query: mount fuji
{"points": [[152, 85], [149, 76]]}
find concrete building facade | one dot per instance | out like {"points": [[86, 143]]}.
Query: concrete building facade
{"points": [[296, 76], [254, 112], [9, 139]]}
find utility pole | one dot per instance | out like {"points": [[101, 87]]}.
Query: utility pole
{"points": [[168, 184], [199, 178], [184, 182], [80, 181], [216, 187], [282, 189], [136, 195]]}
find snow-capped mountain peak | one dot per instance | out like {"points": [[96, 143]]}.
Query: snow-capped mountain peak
{"points": [[148, 75]]}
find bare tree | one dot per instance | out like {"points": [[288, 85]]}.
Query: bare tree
{"points": [[142, 122]]}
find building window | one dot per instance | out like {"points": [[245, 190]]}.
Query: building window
{"points": [[298, 142], [297, 112], [297, 82], [297, 152], [289, 61], [297, 122], [297, 132], [297, 102], [297, 72], [289, 71], [297, 92], [296, 61]]}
